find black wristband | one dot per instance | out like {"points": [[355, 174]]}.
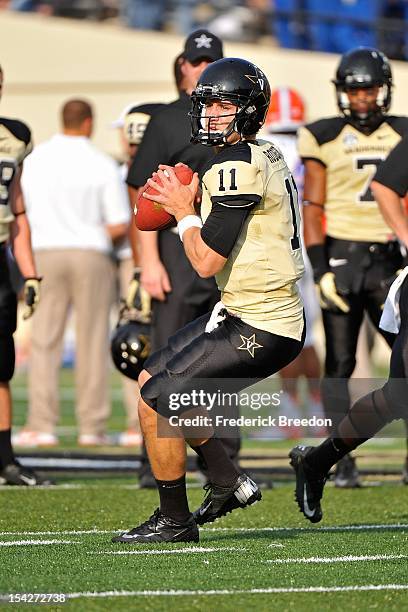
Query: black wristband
{"points": [[318, 259]]}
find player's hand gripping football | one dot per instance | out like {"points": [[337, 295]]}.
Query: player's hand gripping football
{"points": [[329, 297], [31, 296], [176, 198]]}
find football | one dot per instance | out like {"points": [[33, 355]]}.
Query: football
{"points": [[151, 215]]}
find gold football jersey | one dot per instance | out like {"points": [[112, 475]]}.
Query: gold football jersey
{"points": [[258, 281], [15, 145], [351, 159]]}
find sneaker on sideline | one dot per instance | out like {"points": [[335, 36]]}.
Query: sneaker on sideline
{"points": [[94, 440], [33, 439], [130, 437]]}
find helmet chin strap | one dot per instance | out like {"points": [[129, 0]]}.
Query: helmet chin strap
{"points": [[222, 137]]}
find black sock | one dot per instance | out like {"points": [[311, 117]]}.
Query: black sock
{"points": [[6, 450], [221, 469], [323, 457], [173, 498]]}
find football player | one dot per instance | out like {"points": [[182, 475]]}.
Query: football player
{"points": [[247, 236], [285, 116], [357, 255], [371, 413], [15, 145], [367, 416]]}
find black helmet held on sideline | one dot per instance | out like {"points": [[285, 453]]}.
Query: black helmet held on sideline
{"points": [[130, 346], [364, 67], [239, 82]]}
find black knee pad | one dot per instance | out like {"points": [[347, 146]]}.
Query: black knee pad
{"points": [[8, 358]]}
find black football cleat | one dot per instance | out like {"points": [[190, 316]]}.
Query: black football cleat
{"points": [[160, 529], [219, 501], [309, 484], [346, 475], [16, 474]]}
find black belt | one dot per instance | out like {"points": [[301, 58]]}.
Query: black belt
{"points": [[379, 248]]}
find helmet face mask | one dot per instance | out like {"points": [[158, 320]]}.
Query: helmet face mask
{"points": [[364, 68], [239, 83]]}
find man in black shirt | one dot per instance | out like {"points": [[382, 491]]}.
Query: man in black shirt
{"points": [[178, 294]]}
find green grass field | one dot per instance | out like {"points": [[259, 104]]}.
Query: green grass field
{"points": [[57, 540]]}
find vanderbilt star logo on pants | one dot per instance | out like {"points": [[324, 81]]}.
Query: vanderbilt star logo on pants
{"points": [[249, 344]]}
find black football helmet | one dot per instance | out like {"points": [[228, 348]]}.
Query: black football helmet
{"points": [[130, 346], [239, 82], [364, 67]]}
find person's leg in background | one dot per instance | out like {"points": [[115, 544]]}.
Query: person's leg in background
{"points": [[377, 290], [368, 416], [47, 335], [93, 292], [341, 333], [11, 471]]}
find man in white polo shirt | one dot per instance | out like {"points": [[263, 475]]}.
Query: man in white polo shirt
{"points": [[77, 206]]}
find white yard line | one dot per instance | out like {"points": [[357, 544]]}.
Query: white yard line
{"points": [[346, 559], [174, 551], [95, 531], [269, 590], [36, 542], [314, 529]]}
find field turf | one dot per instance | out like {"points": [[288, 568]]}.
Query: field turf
{"points": [[57, 540]]}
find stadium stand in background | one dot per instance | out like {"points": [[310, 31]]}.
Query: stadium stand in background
{"points": [[332, 26]]}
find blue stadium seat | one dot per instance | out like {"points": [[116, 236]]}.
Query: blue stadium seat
{"points": [[340, 36], [319, 30], [346, 36], [290, 34]]}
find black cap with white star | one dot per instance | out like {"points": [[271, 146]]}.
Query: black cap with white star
{"points": [[202, 44]]}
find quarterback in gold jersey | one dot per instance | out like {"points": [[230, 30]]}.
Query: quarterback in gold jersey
{"points": [[356, 255], [15, 145], [248, 237]]}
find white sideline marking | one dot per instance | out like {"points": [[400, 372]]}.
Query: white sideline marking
{"points": [[314, 529], [175, 551], [225, 529], [171, 593], [337, 559], [36, 542]]}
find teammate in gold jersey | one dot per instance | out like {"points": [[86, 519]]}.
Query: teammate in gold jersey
{"points": [[15, 145], [248, 236], [357, 255]]}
